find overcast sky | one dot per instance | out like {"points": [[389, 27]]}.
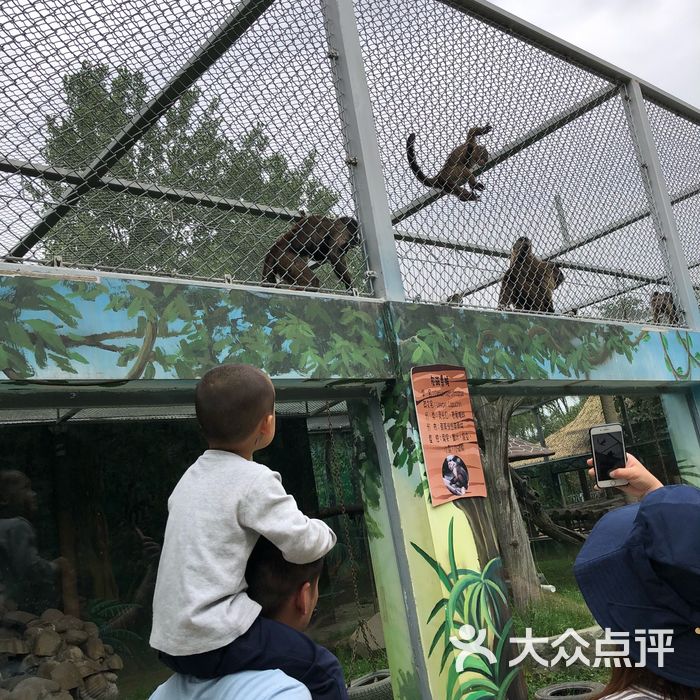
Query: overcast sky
{"points": [[657, 40]]}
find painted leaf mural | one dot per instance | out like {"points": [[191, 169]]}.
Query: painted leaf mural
{"points": [[135, 329], [474, 601]]}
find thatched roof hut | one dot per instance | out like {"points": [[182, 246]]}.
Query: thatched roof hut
{"points": [[519, 449], [573, 439]]}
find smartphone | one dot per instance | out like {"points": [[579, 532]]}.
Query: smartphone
{"points": [[608, 447]]}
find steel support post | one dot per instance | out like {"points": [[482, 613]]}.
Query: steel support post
{"points": [[362, 148], [405, 581], [660, 201]]}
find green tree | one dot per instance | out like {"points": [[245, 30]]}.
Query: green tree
{"points": [[188, 148], [626, 308], [554, 415]]}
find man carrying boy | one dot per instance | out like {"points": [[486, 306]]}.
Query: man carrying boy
{"points": [[288, 594], [204, 623]]}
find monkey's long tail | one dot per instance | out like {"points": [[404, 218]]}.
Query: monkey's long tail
{"points": [[413, 162]]}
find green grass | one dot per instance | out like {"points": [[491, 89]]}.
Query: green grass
{"points": [[555, 613], [559, 570], [552, 615], [360, 666], [558, 611]]}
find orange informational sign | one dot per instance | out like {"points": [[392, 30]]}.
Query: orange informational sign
{"points": [[447, 433]]}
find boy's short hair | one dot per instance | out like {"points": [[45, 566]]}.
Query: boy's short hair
{"points": [[272, 580], [231, 400]]}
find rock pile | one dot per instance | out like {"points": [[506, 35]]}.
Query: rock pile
{"points": [[54, 656]]}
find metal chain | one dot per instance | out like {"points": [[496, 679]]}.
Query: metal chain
{"points": [[367, 636]]}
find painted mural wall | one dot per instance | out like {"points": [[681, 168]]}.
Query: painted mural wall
{"points": [[129, 329], [450, 552], [114, 328]]}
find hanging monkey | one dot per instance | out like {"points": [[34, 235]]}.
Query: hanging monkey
{"points": [[310, 242], [664, 308], [529, 282], [459, 167]]}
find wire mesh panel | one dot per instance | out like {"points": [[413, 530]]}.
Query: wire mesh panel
{"points": [[678, 144], [243, 178], [554, 218]]}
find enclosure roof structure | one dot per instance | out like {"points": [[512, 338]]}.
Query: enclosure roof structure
{"points": [[525, 30], [573, 439], [519, 449]]}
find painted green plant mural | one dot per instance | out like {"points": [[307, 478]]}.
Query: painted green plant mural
{"points": [[490, 346], [403, 436], [124, 329], [476, 599], [510, 346], [364, 457], [689, 472], [690, 358]]}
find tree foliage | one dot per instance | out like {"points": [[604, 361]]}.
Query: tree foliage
{"points": [[554, 415], [627, 308], [189, 148]]}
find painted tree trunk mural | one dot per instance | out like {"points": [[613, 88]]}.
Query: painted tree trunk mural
{"points": [[510, 526], [479, 515]]}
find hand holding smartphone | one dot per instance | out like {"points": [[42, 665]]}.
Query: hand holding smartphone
{"points": [[608, 447]]}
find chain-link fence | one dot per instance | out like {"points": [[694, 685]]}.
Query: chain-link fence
{"points": [[678, 142], [562, 170], [128, 147], [174, 138]]}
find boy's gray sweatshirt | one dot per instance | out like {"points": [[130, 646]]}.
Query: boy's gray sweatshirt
{"points": [[216, 513]]}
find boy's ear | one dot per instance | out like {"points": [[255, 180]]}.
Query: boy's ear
{"points": [[302, 600], [268, 423]]}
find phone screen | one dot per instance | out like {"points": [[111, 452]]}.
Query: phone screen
{"points": [[609, 453]]}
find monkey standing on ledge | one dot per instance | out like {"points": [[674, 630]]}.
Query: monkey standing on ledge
{"points": [[663, 307], [459, 167], [310, 242], [529, 282]]}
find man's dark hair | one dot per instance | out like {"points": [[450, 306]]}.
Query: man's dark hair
{"points": [[272, 580], [230, 401]]}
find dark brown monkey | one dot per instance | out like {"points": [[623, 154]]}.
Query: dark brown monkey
{"points": [[664, 308], [311, 242], [529, 282], [459, 167]]}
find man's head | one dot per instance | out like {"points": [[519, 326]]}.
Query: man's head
{"points": [[286, 592], [16, 495], [235, 405]]}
